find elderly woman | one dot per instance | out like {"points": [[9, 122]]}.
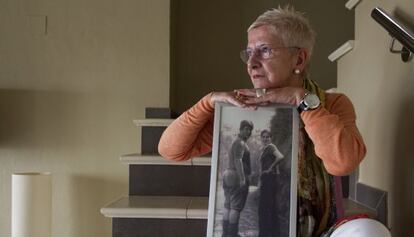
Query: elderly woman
{"points": [[280, 44]]}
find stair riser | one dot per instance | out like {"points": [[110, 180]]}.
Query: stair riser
{"points": [[130, 227], [169, 180], [159, 113], [150, 138]]}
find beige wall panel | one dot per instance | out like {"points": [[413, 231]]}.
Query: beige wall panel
{"points": [[70, 87], [381, 87]]}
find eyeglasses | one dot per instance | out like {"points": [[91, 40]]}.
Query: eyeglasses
{"points": [[262, 52]]}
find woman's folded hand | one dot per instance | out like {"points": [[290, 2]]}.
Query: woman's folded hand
{"points": [[231, 97], [285, 95]]}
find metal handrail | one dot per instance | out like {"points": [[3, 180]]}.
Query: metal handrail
{"points": [[397, 31]]}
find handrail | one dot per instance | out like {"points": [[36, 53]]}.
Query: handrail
{"points": [[397, 31]]}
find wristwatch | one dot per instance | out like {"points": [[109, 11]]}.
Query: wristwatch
{"points": [[309, 102]]}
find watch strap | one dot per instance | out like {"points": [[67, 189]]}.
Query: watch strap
{"points": [[304, 103], [302, 107]]}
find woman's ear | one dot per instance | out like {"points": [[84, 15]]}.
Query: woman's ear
{"points": [[302, 59]]}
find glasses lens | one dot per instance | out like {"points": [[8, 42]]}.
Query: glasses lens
{"points": [[265, 52], [245, 55]]}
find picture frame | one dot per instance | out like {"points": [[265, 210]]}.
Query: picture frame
{"points": [[253, 185]]}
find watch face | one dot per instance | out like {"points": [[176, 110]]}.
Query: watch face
{"points": [[312, 101]]}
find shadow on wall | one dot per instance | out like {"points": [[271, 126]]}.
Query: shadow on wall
{"points": [[48, 119], [60, 130], [403, 180], [405, 18], [16, 124], [88, 194]]}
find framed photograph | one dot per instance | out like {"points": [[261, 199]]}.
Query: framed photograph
{"points": [[253, 187]]}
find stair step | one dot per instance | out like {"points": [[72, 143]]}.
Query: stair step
{"points": [[150, 137], [133, 227], [342, 50], [181, 207], [202, 161], [159, 113], [140, 159], [351, 4], [352, 207], [169, 180], [161, 207], [153, 122], [151, 131], [198, 208]]}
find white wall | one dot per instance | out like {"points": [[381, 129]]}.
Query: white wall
{"points": [[382, 89], [68, 98]]}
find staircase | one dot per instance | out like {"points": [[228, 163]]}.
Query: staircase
{"points": [[165, 198], [168, 198]]}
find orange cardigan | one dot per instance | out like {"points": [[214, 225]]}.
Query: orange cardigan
{"points": [[331, 128]]}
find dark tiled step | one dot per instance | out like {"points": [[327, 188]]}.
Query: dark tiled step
{"points": [[352, 207], [374, 199], [176, 180], [158, 216], [154, 112], [126, 227], [151, 131]]}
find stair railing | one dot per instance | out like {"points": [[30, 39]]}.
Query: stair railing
{"points": [[397, 32]]}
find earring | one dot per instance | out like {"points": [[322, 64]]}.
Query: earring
{"points": [[296, 71]]}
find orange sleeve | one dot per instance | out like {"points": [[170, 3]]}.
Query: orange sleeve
{"points": [[191, 134], [335, 135]]}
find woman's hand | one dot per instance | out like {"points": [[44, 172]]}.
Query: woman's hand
{"points": [[285, 95], [233, 97]]}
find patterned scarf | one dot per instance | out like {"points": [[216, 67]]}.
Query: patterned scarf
{"points": [[316, 196]]}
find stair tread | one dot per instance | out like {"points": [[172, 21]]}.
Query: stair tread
{"points": [[153, 122], [198, 208], [352, 207], [350, 4], [201, 161], [164, 207], [155, 159], [186, 207]]}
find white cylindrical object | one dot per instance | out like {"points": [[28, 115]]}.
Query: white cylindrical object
{"points": [[363, 227], [31, 204]]}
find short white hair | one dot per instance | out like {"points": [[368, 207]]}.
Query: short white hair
{"points": [[291, 26]]}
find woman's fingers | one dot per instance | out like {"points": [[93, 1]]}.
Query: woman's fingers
{"points": [[285, 95], [236, 101], [250, 98], [257, 92], [258, 100], [240, 100], [229, 97], [246, 92]]}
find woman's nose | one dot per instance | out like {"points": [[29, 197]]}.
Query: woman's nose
{"points": [[253, 62]]}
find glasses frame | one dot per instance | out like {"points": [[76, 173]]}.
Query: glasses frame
{"points": [[260, 52]]}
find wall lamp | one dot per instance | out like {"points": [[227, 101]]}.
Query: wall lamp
{"points": [[397, 32]]}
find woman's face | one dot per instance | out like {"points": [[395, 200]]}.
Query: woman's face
{"points": [[266, 138], [276, 71]]}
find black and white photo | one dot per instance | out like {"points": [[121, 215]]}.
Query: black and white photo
{"points": [[254, 172]]}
